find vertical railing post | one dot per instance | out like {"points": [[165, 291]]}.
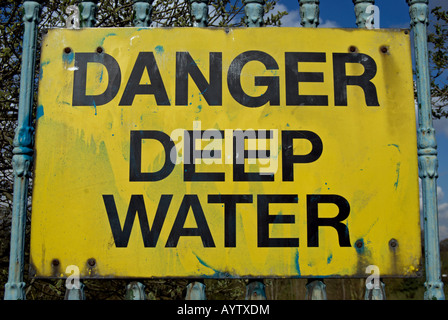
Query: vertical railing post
{"points": [[23, 153], [316, 290], [427, 151], [254, 10], [75, 293], [195, 291], [87, 12], [135, 291], [309, 13], [142, 13], [375, 291], [255, 290], [199, 12], [361, 12]]}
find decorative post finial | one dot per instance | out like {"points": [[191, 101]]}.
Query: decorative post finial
{"points": [[23, 153], [427, 151], [199, 12], [142, 13], [88, 11], [309, 13], [254, 10], [361, 11], [419, 11]]}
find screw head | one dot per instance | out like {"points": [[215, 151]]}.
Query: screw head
{"points": [[91, 262], [393, 243]]}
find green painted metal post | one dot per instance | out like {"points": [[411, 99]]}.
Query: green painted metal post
{"points": [[88, 11], [135, 291], [361, 11], [309, 13], [254, 10], [195, 291], [75, 293], [255, 290], [316, 290], [23, 153], [87, 19], [199, 12], [376, 291], [427, 151], [142, 13]]}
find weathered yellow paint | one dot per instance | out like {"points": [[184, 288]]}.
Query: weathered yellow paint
{"points": [[82, 153]]}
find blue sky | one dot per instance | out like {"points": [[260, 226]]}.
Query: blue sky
{"points": [[393, 14]]}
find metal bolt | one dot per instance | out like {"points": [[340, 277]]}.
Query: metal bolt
{"points": [[91, 262], [384, 49], [55, 262], [353, 49], [99, 50], [393, 243], [67, 50], [358, 244]]}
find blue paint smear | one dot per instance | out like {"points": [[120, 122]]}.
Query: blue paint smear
{"points": [[394, 145], [330, 257], [296, 262], [43, 64], [94, 105], [110, 34], [159, 50], [398, 175], [39, 112], [360, 250], [68, 57], [218, 273]]}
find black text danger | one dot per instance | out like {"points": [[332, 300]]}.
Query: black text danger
{"points": [[212, 88]]}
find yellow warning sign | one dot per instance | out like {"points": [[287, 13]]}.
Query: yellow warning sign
{"points": [[193, 152]]}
